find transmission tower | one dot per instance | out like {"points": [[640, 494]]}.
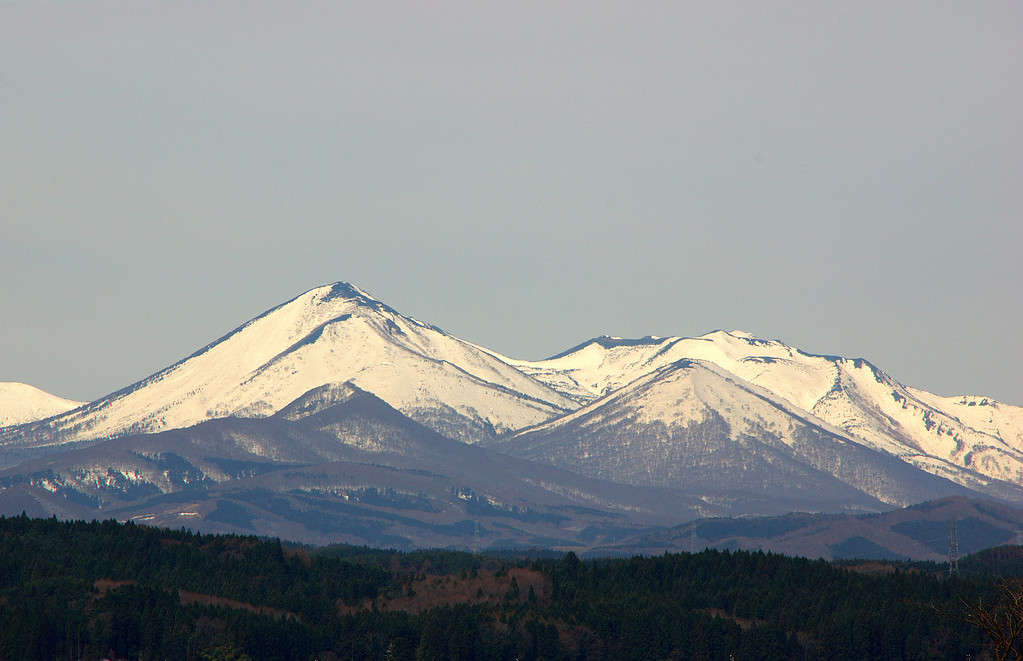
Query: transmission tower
{"points": [[953, 549]]}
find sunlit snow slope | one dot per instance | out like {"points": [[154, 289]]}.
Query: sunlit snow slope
{"points": [[962, 438], [692, 425], [20, 403], [330, 334], [338, 333]]}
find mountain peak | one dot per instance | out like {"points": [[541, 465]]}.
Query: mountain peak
{"points": [[334, 333], [347, 290], [735, 332], [741, 335], [21, 403]]}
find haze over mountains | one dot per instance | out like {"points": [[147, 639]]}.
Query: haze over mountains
{"points": [[920, 532], [313, 403]]}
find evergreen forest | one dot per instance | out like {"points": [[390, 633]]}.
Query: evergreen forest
{"points": [[95, 590]]}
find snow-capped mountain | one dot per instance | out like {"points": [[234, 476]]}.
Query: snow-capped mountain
{"points": [[693, 425], [340, 464], [330, 334], [21, 403], [673, 412], [970, 440]]}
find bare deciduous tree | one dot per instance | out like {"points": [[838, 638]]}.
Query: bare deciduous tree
{"points": [[1002, 621]]}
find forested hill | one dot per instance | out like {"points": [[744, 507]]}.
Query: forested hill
{"points": [[74, 590]]}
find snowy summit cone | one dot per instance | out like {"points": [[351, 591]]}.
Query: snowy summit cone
{"points": [[329, 334], [21, 403]]}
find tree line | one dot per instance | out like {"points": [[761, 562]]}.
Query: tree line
{"points": [[92, 590]]}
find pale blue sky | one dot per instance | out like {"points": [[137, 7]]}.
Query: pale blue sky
{"points": [[842, 176]]}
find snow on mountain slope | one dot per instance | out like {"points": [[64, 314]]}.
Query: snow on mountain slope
{"points": [[604, 364], [21, 403], [981, 413], [339, 464], [329, 334], [691, 424], [338, 333], [936, 433], [872, 406]]}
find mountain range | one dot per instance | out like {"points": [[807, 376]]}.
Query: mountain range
{"points": [[334, 395], [919, 532]]}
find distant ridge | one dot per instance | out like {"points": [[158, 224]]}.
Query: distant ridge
{"points": [[610, 342], [919, 532]]}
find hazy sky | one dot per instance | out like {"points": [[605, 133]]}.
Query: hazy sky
{"points": [[847, 177]]}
